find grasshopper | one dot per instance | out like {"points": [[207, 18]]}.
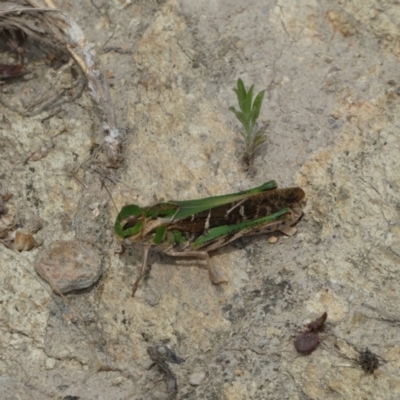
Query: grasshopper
{"points": [[193, 228]]}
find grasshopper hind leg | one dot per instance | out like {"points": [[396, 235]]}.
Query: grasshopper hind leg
{"points": [[204, 256], [195, 254]]}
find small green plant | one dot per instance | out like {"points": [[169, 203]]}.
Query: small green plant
{"points": [[250, 111]]}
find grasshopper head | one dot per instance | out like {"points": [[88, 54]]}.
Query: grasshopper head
{"points": [[130, 222]]}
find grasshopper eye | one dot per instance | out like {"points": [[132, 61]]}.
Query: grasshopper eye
{"points": [[130, 223], [132, 226]]}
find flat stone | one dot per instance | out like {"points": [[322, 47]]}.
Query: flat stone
{"points": [[69, 265]]}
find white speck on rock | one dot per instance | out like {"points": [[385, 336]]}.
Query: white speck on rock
{"points": [[50, 363], [196, 378]]}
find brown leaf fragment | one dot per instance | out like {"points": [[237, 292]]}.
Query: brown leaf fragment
{"points": [[318, 324], [309, 340]]}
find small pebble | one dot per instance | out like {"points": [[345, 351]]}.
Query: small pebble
{"points": [[117, 381], [94, 205], [272, 239], [69, 265], [196, 378], [23, 241]]}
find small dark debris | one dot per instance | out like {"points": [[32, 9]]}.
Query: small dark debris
{"points": [[71, 398], [309, 340], [10, 71], [159, 356], [369, 361], [318, 324], [6, 197], [3, 208], [16, 40], [169, 355]]}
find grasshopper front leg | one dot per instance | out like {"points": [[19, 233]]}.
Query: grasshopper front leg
{"points": [[143, 269]]}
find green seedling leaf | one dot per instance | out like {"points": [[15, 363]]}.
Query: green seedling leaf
{"points": [[242, 118], [241, 93], [247, 102], [250, 111], [259, 141], [255, 112]]}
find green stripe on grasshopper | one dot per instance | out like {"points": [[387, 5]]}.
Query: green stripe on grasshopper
{"points": [[160, 234], [190, 207], [220, 231]]}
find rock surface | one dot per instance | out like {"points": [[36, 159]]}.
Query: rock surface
{"points": [[332, 110]]}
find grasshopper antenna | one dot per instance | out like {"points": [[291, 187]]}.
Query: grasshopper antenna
{"points": [[103, 185]]}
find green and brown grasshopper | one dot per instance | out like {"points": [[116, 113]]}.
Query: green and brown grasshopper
{"points": [[193, 228]]}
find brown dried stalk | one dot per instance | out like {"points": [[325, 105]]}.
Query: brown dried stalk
{"points": [[40, 21]]}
